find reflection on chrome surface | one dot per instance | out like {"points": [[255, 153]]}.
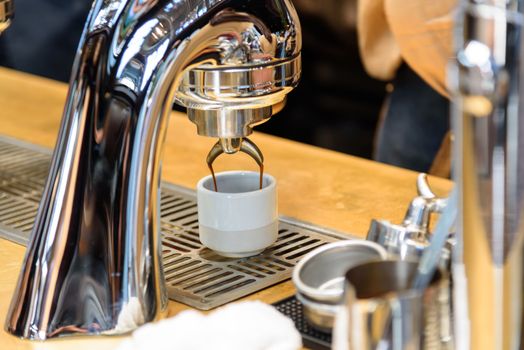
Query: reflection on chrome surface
{"points": [[7, 12], [93, 265], [488, 266]]}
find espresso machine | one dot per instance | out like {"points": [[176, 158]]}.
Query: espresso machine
{"points": [[93, 264], [489, 171]]}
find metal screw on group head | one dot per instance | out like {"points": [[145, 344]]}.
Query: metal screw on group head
{"points": [[7, 12]]}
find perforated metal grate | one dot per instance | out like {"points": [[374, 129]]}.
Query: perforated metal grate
{"points": [[194, 274], [312, 338]]}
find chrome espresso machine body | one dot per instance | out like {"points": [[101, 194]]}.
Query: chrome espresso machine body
{"points": [[489, 117], [93, 264]]}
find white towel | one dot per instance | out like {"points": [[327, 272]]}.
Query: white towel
{"points": [[250, 325]]}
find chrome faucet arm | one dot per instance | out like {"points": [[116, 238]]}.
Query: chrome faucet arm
{"points": [[93, 264]]}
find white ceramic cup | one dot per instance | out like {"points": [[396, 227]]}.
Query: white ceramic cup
{"points": [[240, 219]]}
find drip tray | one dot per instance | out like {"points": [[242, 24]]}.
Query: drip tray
{"points": [[195, 275]]}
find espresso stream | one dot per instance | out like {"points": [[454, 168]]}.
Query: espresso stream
{"points": [[215, 179]]}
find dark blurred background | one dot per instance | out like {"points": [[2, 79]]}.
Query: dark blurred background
{"points": [[336, 105]]}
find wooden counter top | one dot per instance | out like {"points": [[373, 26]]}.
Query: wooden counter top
{"points": [[316, 185]]}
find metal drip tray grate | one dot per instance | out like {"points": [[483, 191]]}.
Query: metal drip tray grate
{"points": [[195, 275]]}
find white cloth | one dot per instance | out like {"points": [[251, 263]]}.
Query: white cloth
{"points": [[249, 325]]}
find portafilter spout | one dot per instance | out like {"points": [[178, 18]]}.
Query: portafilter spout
{"points": [[231, 146]]}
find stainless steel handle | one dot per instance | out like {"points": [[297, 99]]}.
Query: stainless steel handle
{"points": [[434, 203], [418, 215]]}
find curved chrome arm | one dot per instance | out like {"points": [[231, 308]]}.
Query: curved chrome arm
{"points": [[94, 261], [232, 146]]}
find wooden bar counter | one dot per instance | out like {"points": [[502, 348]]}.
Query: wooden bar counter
{"points": [[315, 185]]}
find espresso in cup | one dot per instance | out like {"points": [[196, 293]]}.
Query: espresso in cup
{"points": [[241, 218]]}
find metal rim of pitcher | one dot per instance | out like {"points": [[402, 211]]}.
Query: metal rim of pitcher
{"points": [[329, 295], [405, 292]]}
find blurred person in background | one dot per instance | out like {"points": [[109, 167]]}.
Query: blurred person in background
{"points": [[410, 43]]}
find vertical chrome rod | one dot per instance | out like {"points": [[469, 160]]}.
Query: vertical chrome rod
{"points": [[489, 120]]}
